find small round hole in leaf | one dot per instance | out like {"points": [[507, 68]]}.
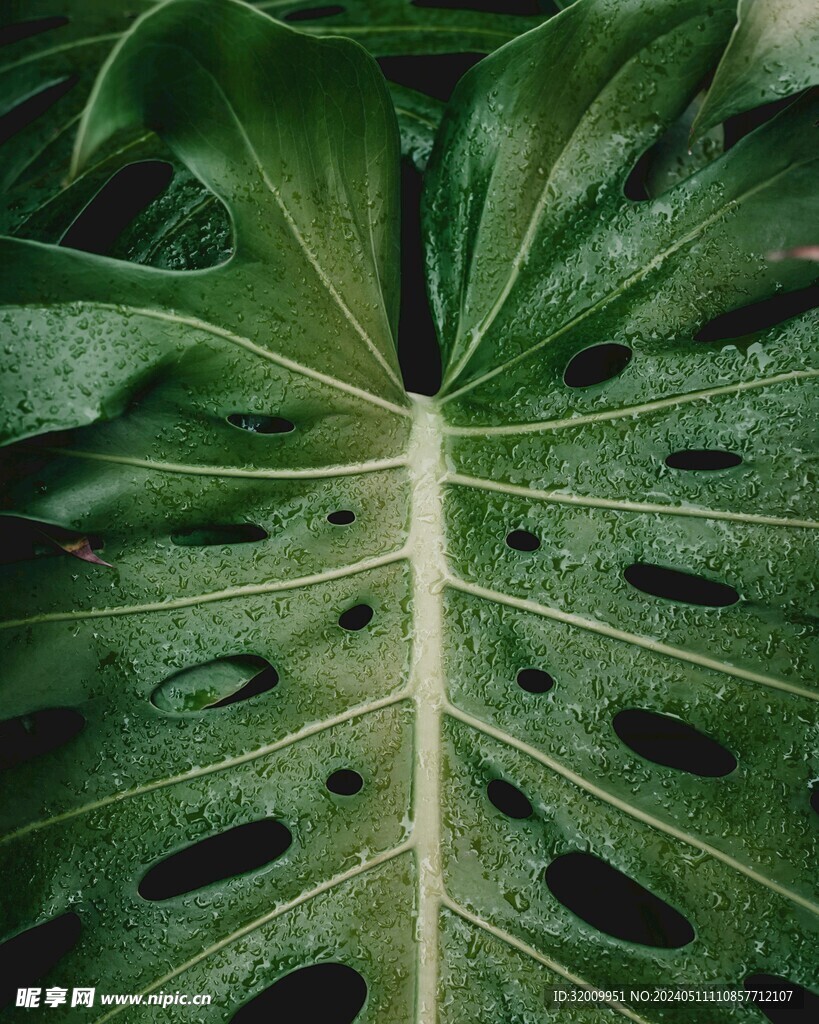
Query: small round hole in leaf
{"points": [[534, 680], [356, 618], [522, 540], [508, 799], [328, 993], [703, 459], [341, 518], [345, 782], [256, 424], [596, 365]]}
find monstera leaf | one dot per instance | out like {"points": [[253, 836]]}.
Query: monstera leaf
{"points": [[420, 708]]}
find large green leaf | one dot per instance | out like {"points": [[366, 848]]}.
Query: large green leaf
{"points": [[148, 410]]}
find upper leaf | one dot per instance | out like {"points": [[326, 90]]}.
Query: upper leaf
{"points": [[773, 53]]}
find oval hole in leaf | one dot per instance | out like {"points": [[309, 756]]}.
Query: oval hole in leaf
{"points": [[759, 316], [208, 536], [508, 799], [24, 29], [215, 684], [258, 424], [30, 955], [29, 109], [703, 459], [673, 585], [814, 798], [615, 904], [534, 680], [802, 1007], [118, 202], [329, 993], [596, 364], [311, 13], [356, 618], [435, 74], [234, 852], [32, 735], [670, 742], [345, 782], [522, 540], [341, 518]]}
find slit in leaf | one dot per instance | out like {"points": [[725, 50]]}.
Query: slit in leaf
{"points": [[613, 903], [25, 29], [356, 618], [312, 13], [795, 1005], [703, 459], [508, 799], [257, 424], [534, 680], [215, 684], [596, 364], [29, 109], [37, 733], [345, 782], [670, 742], [235, 852], [210, 536], [30, 956], [118, 202], [759, 316], [673, 585], [331, 993]]}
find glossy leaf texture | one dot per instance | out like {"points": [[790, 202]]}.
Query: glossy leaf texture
{"points": [[412, 690], [773, 53]]}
